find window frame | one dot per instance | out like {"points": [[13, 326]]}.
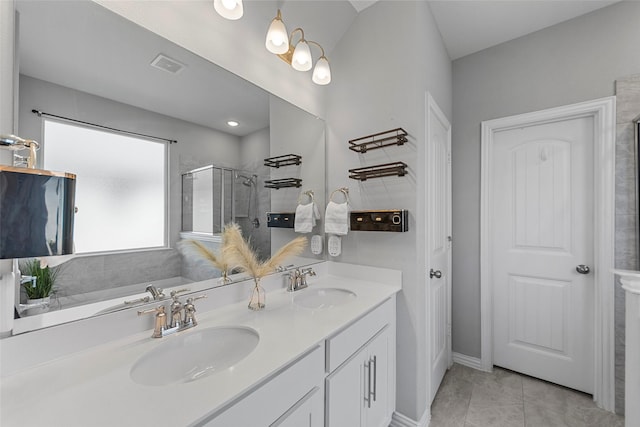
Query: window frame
{"points": [[166, 181]]}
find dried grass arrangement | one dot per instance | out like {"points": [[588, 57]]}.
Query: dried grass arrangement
{"points": [[222, 261], [244, 257], [236, 253]]}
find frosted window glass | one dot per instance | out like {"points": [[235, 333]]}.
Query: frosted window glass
{"points": [[120, 186]]}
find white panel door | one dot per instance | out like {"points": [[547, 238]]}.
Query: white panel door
{"points": [[438, 243], [542, 222]]}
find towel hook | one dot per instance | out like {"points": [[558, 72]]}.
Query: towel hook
{"points": [[308, 193], [343, 190]]}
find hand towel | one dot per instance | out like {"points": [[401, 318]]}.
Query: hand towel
{"points": [[336, 218], [306, 216]]}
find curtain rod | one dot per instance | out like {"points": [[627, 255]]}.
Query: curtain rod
{"points": [[42, 113]]}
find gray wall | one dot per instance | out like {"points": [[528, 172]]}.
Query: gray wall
{"points": [[574, 61], [254, 148], [626, 258], [294, 131], [382, 67]]}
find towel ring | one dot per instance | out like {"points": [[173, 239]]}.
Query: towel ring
{"points": [[308, 193], [343, 190]]}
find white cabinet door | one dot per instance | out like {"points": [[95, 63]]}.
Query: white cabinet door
{"points": [[345, 393], [376, 413], [357, 393], [308, 412]]}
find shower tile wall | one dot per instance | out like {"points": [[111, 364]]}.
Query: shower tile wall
{"points": [[626, 228]]}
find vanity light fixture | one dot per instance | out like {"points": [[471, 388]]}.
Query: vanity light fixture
{"points": [[299, 55], [229, 9]]}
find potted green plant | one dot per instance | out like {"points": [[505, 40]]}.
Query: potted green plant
{"points": [[38, 283]]}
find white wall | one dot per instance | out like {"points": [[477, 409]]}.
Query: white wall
{"points": [[571, 62], [382, 67]]}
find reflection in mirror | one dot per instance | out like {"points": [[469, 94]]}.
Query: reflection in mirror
{"points": [[80, 61]]}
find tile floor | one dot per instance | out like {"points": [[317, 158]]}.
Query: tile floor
{"points": [[471, 398]]}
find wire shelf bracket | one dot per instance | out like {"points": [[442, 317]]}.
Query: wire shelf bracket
{"points": [[379, 171], [283, 183], [285, 160], [396, 136]]}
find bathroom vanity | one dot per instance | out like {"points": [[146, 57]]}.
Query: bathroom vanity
{"points": [[324, 355]]}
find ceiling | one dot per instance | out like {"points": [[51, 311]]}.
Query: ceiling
{"points": [[213, 95], [473, 25]]}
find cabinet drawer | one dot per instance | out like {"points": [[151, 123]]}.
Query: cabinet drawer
{"points": [[347, 342], [268, 402]]}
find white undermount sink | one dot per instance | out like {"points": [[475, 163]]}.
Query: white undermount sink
{"points": [[191, 355], [317, 298]]}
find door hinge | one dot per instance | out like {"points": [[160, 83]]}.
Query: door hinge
{"points": [[449, 157], [449, 329]]}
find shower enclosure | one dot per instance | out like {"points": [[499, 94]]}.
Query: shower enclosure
{"points": [[213, 196]]}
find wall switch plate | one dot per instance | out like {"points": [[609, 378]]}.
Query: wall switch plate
{"points": [[334, 245], [316, 244]]}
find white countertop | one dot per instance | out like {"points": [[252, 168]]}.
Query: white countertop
{"points": [[94, 388]]}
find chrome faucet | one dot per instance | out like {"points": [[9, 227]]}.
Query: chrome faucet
{"points": [[162, 327], [298, 279], [156, 293]]}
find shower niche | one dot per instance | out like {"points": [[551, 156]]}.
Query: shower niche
{"points": [[213, 196]]}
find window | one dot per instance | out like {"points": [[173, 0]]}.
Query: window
{"points": [[121, 186]]}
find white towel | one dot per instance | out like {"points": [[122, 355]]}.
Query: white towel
{"points": [[306, 216], [336, 218]]}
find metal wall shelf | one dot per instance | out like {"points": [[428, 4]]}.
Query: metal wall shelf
{"points": [[378, 171], [378, 140], [283, 183], [285, 160]]}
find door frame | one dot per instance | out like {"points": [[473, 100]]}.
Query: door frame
{"points": [[433, 110], [603, 112]]}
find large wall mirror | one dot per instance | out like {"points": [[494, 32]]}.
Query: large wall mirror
{"points": [[79, 61]]}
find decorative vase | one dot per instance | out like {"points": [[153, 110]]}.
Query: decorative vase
{"points": [[258, 298], [225, 279]]}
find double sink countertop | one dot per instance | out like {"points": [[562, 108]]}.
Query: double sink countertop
{"points": [[94, 386]]}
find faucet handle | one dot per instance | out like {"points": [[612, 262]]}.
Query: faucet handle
{"points": [[281, 268], [179, 291], [160, 323], [159, 309], [309, 271], [190, 310], [138, 301]]}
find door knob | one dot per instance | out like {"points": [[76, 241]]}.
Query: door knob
{"points": [[435, 273], [583, 269]]}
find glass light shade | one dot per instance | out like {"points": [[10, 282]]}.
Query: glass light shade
{"points": [[301, 60], [322, 72], [229, 9], [277, 38]]}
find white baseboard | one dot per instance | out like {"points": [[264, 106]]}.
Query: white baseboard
{"points": [[399, 420], [471, 362]]}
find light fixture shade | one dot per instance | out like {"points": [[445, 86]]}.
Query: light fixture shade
{"points": [[277, 37], [322, 72], [229, 9], [301, 60]]}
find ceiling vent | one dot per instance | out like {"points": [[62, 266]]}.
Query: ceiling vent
{"points": [[167, 64]]}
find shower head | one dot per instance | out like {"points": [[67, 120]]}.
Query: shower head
{"points": [[248, 180]]}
